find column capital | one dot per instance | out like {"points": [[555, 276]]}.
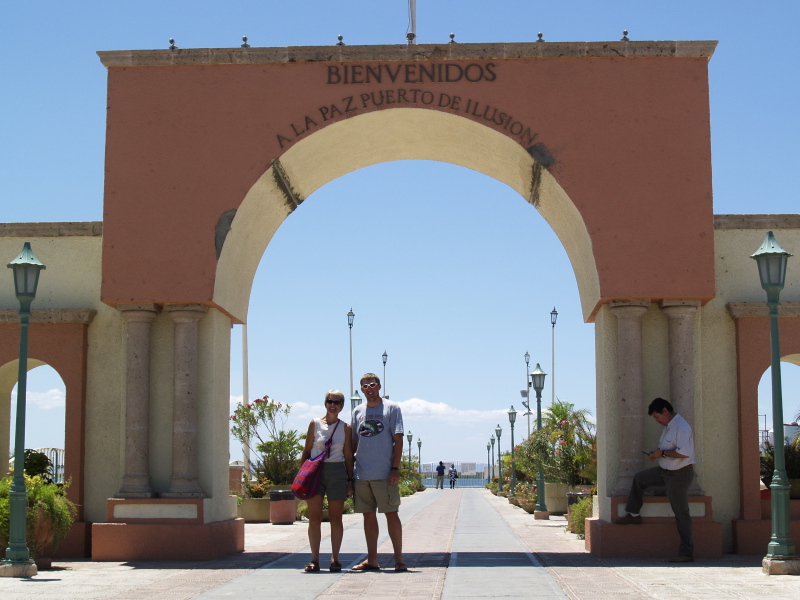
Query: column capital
{"points": [[186, 312], [679, 307], [141, 311], [629, 307]]}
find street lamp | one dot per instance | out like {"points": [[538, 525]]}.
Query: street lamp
{"points": [[772, 259], [355, 400], [419, 454], [350, 316], [26, 269], [553, 317], [384, 356], [537, 379], [527, 391], [409, 437], [498, 431], [488, 472], [491, 439], [512, 416]]}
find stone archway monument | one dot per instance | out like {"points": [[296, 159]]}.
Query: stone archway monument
{"points": [[209, 150]]}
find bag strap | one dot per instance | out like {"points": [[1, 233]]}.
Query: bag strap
{"points": [[329, 442]]}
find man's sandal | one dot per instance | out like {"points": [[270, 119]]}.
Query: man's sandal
{"points": [[365, 566], [312, 567], [335, 566], [400, 568]]}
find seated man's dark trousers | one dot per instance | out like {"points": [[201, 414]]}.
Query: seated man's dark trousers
{"points": [[677, 483]]}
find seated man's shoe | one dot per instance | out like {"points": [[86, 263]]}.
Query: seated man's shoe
{"points": [[629, 519], [681, 558]]}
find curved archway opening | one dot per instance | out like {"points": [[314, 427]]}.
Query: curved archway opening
{"points": [[455, 283]]}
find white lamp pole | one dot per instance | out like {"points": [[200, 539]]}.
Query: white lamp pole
{"points": [[553, 317], [350, 316]]}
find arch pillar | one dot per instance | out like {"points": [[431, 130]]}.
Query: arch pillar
{"points": [[185, 481], [629, 315], [136, 481]]}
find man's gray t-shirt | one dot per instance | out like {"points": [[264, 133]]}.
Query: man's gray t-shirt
{"points": [[374, 429]]}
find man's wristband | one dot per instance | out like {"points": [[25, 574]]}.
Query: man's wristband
{"points": [[350, 480], [395, 468]]}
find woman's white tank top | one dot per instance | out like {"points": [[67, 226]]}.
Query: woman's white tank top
{"points": [[322, 431]]}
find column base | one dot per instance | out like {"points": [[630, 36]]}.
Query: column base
{"points": [[541, 514], [780, 566], [608, 540], [19, 570]]}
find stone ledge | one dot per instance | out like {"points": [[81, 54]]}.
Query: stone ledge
{"points": [[50, 316], [739, 310], [23, 570], [757, 222], [68, 229], [404, 52]]}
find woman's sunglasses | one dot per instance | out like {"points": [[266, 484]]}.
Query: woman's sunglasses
{"points": [[336, 402]]}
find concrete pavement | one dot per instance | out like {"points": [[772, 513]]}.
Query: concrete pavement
{"points": [[461, 543]]}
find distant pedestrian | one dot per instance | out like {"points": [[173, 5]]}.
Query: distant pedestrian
{"points": [[440, 475], [453, 476]]}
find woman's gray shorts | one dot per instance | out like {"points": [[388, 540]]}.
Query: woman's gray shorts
{"points": [[334, 481]]}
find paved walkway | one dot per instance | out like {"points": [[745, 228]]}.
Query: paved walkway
{"points": [[461, 543]]}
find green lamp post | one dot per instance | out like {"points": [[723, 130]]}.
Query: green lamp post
{"points": [[26, 269], [409, 437], [488, 471], [355, 401], [498, 431], [512, 416], [537, 379], [491, 439], [772, 259]]}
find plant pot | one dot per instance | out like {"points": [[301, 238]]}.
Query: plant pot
{"points": [[528, 507], [794, 490], [555, 497], [254, 510], [514, 501]]}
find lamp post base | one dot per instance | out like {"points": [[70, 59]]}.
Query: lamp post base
{"points": [[541, 514], [26, 569], [780, 566]]}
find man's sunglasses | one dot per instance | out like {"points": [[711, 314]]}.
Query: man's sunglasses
{"points": [[336, 402], [369, 385]]}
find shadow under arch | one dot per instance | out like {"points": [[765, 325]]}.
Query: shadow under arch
{"points": [[385, 136]]}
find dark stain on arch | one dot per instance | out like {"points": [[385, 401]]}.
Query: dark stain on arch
{"points": [[290, 197], [542, 160], [222, 229]]}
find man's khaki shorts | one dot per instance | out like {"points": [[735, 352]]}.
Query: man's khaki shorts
{"points": [[375, 494]]}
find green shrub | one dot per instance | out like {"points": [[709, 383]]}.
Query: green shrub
{"points": [[50, 498], [580, 511]]}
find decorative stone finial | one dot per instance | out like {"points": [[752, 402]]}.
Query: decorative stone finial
{"points": [[625, 36], [340, 42], [245, 44], [410, 37], [541, 39], [172, 45], [453, 38]]}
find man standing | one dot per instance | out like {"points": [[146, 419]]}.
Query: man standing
{"points": [[675, 454], [378, 438], [440, 475]]}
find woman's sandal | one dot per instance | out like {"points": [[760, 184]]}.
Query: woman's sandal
{"points": [[312, 567], [336, 566]]}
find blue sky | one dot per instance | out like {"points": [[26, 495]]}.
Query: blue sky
{"points": [[451, 273]]}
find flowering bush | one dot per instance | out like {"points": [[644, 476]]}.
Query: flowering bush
{"points": [[279, 449], [567, 446]]}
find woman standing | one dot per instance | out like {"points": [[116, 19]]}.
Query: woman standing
{"points": [[337, 477], [453, 476]]}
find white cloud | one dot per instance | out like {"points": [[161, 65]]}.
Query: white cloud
{"points": [[439, 410], [46, 400]]}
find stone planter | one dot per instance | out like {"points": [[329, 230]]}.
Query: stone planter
{"points": [[794, 490], [514, 501], [528, 507], [254, 510], [555, 497]]}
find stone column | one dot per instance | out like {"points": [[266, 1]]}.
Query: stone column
{"points": [[680, 316], [184, 483], [629, 315], [136, 481]]}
